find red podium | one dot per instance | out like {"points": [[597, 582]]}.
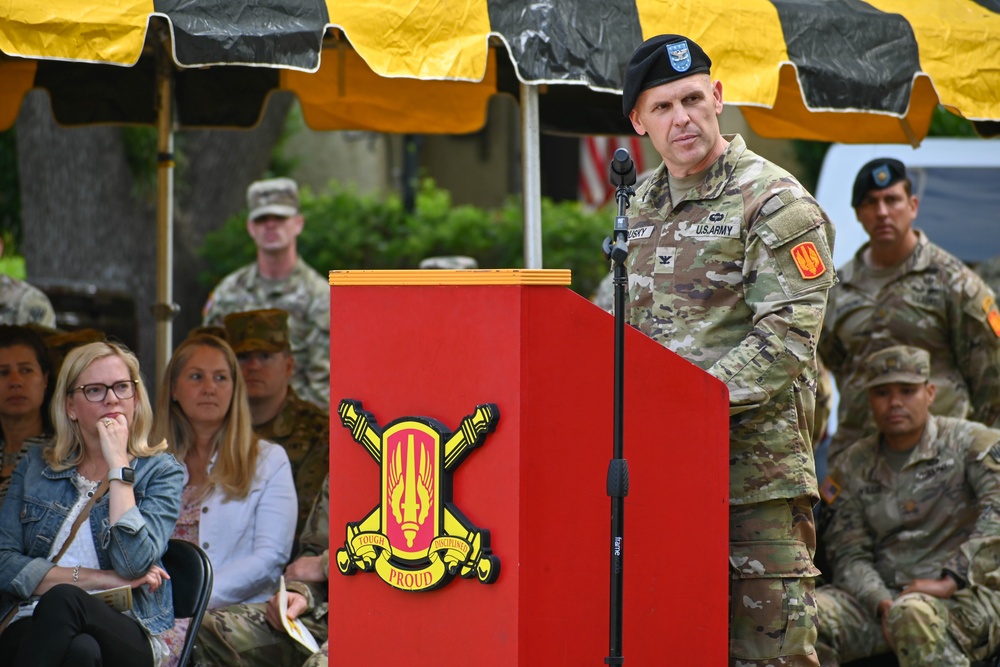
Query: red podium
{"points": [[434, 345]]}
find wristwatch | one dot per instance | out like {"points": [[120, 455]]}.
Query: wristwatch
{"points": [[123, 474]]}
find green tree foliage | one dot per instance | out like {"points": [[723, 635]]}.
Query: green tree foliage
{"points": [[345, 230], [946, 124]]}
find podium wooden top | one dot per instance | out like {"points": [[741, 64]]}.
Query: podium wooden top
{"points": [[453, 277]]}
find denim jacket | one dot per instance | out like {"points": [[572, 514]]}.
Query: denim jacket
{"points": [[37, 503]]}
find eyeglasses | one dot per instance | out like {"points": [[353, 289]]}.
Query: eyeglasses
{"points": [[98, 391]]}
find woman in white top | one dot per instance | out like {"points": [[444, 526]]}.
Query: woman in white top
{"points": [[239, 501]]}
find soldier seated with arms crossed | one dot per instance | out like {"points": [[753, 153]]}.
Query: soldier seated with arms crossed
{"points": [[915, 539]]}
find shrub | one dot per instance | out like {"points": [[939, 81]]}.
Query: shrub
{"points": [[345, 230]]}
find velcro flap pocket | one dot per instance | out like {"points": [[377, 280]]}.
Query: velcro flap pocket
{"points": [[798, 243], [771, 559]]}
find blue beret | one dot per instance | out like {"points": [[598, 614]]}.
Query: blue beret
{"points": [[877, 174], [660, 60]]}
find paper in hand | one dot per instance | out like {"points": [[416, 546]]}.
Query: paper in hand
{"points": [[295, 627]]}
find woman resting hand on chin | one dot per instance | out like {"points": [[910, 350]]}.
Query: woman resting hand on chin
{"points": [[99, 464]]}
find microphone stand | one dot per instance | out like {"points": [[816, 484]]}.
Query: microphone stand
{"points": [[616, 249]]}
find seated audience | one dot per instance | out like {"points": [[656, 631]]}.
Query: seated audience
{"points": [[238, 501], [252, 635], [61, 536], [261, 341], [914, 539], [24, 397]]}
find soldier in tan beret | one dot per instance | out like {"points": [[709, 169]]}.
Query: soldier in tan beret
{"points": [[914, 538], [260, 339]]}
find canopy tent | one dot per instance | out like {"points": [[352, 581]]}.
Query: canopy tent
{"points": [[834, 70]]}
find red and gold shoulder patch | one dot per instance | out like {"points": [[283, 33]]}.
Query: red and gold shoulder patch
{"points": [[808, 261], [992, 316], [829, 490]]}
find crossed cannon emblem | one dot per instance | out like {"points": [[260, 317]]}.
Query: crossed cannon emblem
{"points": [[415, 539]]}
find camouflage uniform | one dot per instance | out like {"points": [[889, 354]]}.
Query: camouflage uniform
{"points": [[604, 295], [306, 297], [23, 303], [304, 431], [240, 634], [734, 279], [932, 301], [938, 513], [989, 271]]}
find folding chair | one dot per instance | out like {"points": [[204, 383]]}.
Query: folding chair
{"points": [[191, 579]]}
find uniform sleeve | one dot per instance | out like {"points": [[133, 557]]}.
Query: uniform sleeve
{"points": [[210, 316], [316, 532], [831, 348], [35, 308], [788, 270], [850, 549], [311, 481], [983, 475], [315, 541], [976, 346], [317, 343]]}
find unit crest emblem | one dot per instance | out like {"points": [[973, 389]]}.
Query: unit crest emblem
{"points": [[416, 539]]}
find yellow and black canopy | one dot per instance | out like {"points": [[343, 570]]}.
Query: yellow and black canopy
{"points": [[836, 70]]}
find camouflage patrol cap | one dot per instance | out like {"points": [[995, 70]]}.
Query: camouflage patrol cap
{"points": [[274, 196], [876, 174], [900, 363], [660, 60], [257, 330]]}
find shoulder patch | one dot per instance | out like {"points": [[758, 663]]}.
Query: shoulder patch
{"points": [[829, 490], [992, 316], [808, 261]]}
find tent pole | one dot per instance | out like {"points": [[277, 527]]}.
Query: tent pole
{"points": [[531, 177], [165, 308]]}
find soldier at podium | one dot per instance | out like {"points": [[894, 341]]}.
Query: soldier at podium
{"points": [[729, 267]]}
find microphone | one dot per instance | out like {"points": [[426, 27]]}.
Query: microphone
{"points": [[622, 168]]}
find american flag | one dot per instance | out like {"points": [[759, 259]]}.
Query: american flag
{"points": [[595, 161]]}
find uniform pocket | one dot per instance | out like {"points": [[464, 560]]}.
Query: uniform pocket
{"points": [[772, 605], [794, 237]]}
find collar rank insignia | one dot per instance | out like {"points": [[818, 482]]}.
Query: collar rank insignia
{"points": [[416, 539]]}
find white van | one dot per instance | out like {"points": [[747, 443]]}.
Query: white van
{"points": [[956, 180]]}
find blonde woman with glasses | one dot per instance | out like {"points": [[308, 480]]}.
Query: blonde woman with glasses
{"points": [[92, 510]]}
